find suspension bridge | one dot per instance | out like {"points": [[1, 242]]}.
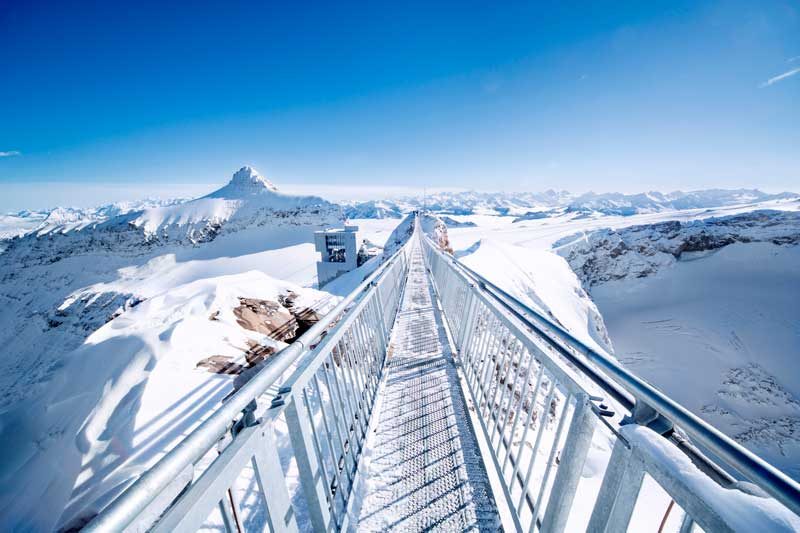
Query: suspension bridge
{"points": [[431, 399]]}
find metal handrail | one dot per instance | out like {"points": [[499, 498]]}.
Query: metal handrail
{"points": [[624, 399], [755, 469], [124, 510]]}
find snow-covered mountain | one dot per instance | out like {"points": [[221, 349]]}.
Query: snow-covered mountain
{"points": [[103, 322], [247, 201], [44, 275], [499, 203], [375, 209], [531, 206], [69, 218], [457, 203]]}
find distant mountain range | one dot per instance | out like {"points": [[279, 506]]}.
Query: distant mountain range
{"points": [[247, 200], [249, 195], [527, 205]]}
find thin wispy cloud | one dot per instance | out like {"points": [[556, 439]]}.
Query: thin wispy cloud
{"points": [[780, 77], [793, 59], [10, 153]]}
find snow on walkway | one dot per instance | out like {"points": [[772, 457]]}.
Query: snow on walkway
{"points": [[422, 469]]}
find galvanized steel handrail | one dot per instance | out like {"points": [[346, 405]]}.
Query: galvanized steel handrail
{"points": [[624, 399], [517, 386], [133, 503], [473, 307], [754, 468]]}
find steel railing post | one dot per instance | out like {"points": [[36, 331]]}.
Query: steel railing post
{"points": [[465, 324], [298, 423], [576, 447], [270, 479], [687, 524], [620, 454], [625, 500]]}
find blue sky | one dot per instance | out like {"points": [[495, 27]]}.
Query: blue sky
{"points": [[104, 100]]}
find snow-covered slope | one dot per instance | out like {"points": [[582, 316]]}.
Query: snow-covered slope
{"points": [[543, 281], [720, 332], [58, 287], [102, 326], [707, 311], [127, 394], [539, 278]]}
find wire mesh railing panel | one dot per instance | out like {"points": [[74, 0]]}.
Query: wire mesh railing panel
{"points": [[539, 416]]}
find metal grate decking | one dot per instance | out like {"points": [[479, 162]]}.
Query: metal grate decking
{"points": [[422, 468]]}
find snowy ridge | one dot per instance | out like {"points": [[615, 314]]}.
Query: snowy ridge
{"points": [[498, 203], [374, 209], [640, 251], [63, 219], [654, 202], [436, 230], [538, 278]]}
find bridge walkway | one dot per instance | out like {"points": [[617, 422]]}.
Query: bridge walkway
{"points": [[422, 466]]}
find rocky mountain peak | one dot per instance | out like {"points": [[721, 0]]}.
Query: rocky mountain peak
{"points": [[248, 178]]}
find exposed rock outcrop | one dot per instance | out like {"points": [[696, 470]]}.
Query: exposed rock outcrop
{"points": [[640, 251]]}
